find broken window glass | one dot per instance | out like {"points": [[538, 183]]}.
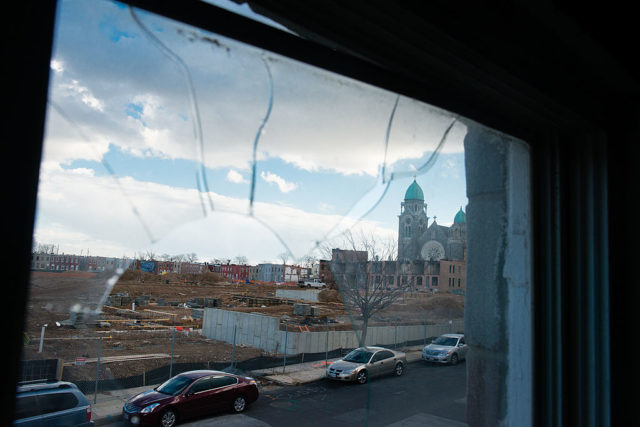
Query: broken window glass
{"points": [[235, 209]]}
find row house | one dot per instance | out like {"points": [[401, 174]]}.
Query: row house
{"points": [[324, 273], [167, 267], [292, 273], [99, 263], [270, 272], [55, 262], [214, 268], [235, 271], [295, 273], [253, 272], [191, 268]]}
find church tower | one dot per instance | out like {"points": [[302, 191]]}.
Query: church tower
{"points": [[458, 237], [412, 222]]}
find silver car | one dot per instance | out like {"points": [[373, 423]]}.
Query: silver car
{"points": [[367, 362], [447, 348]]}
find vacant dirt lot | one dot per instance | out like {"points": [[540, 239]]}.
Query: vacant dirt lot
{"points": [[148, 330]]}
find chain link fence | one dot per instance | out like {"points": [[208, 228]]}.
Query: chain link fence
{"points": [[103, 361]]}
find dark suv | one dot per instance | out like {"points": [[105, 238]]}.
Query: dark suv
{"points": [[51, 403]]}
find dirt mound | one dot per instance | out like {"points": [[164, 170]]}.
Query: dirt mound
{"points": [[444, 301], [445, 306], [147, 277], [329, 295]]}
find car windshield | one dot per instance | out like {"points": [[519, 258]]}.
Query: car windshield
{"points": [[358, 356], [450, 341], [174, 386]]}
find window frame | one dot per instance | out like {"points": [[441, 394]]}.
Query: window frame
{"points": [[555, 308]]}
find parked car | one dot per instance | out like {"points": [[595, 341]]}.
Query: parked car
{"points": [[51, 403], [189, 395], [367, 362], [447, 348]]}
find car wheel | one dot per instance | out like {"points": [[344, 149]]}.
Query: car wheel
{"points": [[239, 404], [361, 378], [399, 369], [168, 418], [454, 359]]}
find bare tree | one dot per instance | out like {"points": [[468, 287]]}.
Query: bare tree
{"points": [[308, 260], [191, 257], [178, 258], [41, 248], [164, 257], [149, 255], [325, 249], [240, 260], [284, 257], [361, 282]]}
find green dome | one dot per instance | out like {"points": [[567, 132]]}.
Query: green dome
{"points": [[414, 192], [461, 217]]}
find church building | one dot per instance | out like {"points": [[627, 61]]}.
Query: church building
{"points": [[430, 255]]}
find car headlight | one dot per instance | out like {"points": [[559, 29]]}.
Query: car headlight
{"points": [[148, 409]]}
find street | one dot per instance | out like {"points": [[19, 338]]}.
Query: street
{"points": [[425, 395]]}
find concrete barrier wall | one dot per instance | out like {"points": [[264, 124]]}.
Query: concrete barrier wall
{"points": [[307, 295], [314, 342], [263, 332], [255, 330]]}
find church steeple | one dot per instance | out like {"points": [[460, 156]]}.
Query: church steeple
{"points": [[414, 192], [460, 218], [412, 221]]}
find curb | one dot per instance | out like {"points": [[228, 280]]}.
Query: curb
{"points": [[299, 383], [107, 419]]}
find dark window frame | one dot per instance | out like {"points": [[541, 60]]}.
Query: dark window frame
{"points": [[554, 145]]}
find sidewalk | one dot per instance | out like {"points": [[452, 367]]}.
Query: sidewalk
{"points": [[108, 406], [308, 372]]}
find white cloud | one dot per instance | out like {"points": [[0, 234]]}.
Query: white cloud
{"points": [[57, 65], [74, 88], [236, 177], [283, 185], [65, 143], [319, 122], [80, 211], [326, 207]]}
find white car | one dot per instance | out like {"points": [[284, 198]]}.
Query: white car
{"points": [[447, 348]]}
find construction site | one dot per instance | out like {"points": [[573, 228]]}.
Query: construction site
{"points": [[140, 321]]}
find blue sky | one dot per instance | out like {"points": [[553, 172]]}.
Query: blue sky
{"points": [[122, 100]]}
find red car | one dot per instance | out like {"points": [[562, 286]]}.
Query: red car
{"points": [[189, 395]]}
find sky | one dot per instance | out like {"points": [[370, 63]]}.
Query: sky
{"points": [[150, 133]]}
